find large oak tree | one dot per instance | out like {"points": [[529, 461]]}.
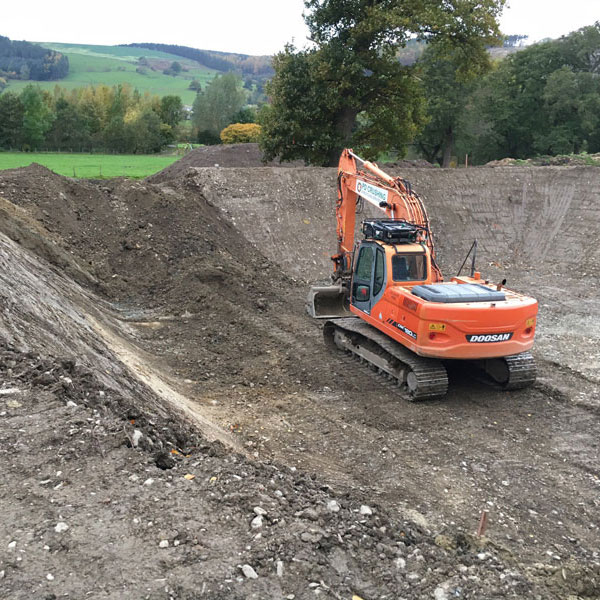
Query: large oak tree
{"points": [[349, 89]]}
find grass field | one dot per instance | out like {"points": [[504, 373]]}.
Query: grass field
{"points": [[112, 65], [90, 166]]}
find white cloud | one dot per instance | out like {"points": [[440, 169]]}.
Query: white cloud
{"points": [[541, 19]]}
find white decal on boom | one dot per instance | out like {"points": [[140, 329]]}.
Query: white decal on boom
{"points": [[371, 193]]}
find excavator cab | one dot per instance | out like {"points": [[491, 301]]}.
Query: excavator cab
{"points": [[377, 265]]}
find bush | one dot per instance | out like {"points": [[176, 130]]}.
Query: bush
{"points": [[240, 133]]}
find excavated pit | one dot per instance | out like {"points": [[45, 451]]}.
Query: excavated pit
{"points": [[175, 307]]}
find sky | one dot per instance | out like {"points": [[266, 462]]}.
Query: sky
{"points": [[243, 26]]}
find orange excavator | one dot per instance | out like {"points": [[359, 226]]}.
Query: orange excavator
{"points": [[390, 307]]}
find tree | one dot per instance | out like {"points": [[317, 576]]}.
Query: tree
{"points": [[68, 131], [350, 89], [171, 110], [445, 94], [215, 107], [37, 116], [11, 120], [143, 132], [245, 115]]}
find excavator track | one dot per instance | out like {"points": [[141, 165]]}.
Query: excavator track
{"points": [[416, 378], [512, 372]]}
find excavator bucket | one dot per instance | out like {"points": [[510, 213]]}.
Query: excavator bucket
{"points": [[328, 302]]}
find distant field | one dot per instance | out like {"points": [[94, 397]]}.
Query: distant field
{"points": [[112, 65], [90, 166]]}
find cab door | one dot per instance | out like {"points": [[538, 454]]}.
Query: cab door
{"points": [[368, 280]]}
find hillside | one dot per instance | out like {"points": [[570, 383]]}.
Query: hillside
{"points": [[113, 65], [24, 60]]}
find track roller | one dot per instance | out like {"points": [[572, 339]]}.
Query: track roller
{"points": [[415, 378]]}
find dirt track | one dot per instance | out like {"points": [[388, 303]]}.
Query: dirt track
{"points": [[182, 302]]}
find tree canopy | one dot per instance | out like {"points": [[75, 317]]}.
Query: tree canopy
{"points": [[542, 100], [215, 107], [350, 89]]}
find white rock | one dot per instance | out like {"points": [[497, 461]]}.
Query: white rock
{"points": [[249, 572], [278, 493], [257, 522], [333, 506], [176, 543], [400, 563], [366, 510], [61, 527], [279, 568], [163, 544], [50, 577], [12, 545], [71, 404], [149, 481], [259, 510], [1, 574], [136, 437], [440, 594]]}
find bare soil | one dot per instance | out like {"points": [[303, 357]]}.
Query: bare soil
{"points": [[161, 388]]}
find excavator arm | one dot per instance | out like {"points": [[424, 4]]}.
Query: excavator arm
{"points": [[392, 195]]}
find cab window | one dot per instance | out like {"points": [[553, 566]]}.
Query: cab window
{"points": [[365, 264], [379, 271], [409, 267]]}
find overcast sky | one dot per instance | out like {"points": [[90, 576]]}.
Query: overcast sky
{"points": [[245, 26]]}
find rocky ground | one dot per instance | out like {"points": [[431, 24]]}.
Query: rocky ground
{"points": [[172, 426]]}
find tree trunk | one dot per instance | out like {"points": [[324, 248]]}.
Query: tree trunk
{"points": [[345, 121], [448, 144]]}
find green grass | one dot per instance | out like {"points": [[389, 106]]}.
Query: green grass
{"points": [[90, 166], [113, 65]]}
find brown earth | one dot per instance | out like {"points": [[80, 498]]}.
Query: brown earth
{"points": [[174, 307], [229, 155]]}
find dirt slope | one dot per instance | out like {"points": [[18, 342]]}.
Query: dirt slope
{"points": [[190, 293]]}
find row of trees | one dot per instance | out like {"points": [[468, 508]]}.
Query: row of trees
{"points": [[116, 119], [542, 100], [24, 60], [220, 61]]}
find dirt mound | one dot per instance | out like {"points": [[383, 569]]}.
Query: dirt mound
{"points": [[561, 160], [222, 155]]}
